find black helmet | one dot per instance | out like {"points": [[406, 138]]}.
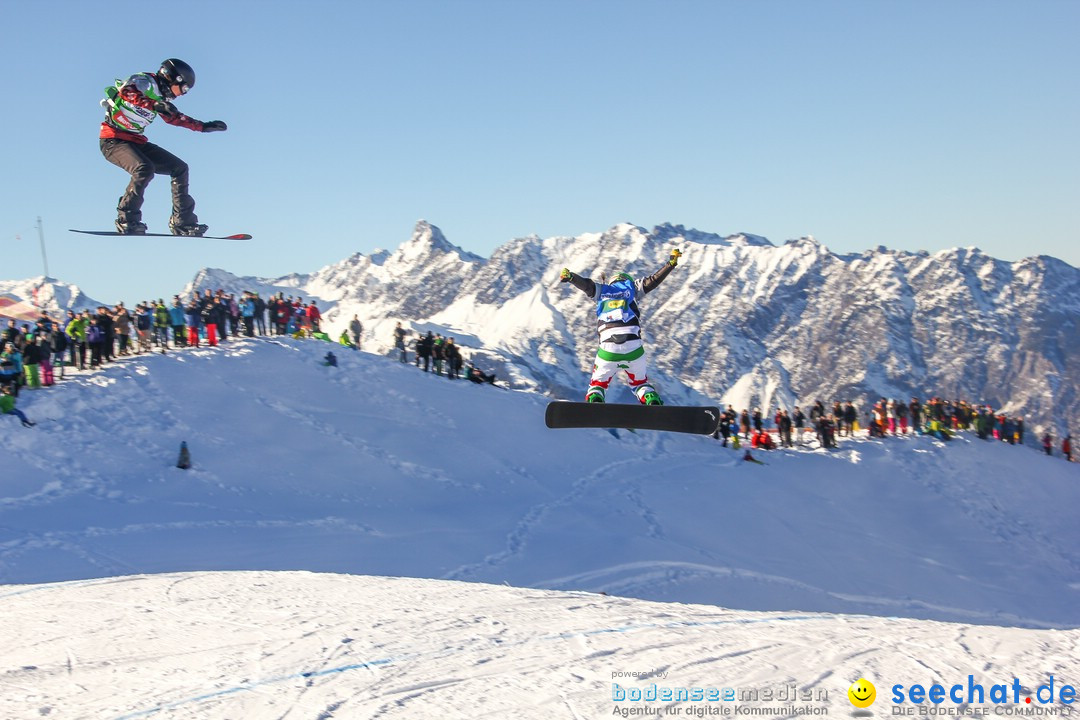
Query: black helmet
{"points": [[177, 72]]}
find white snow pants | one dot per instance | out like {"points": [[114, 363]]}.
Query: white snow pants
{"points": [[628, 357]]}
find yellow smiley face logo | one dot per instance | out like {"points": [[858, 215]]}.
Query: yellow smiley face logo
{"points": [[862, 693]]}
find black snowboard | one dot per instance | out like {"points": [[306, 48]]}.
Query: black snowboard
{"points": [[113, 233], [671, 418]]}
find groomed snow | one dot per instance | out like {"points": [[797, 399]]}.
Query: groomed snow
{"points": [[113, 608], [258, 645]]}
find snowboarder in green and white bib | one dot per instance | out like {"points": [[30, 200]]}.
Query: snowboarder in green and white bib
{"points": [[618, 323], [130, 106]]}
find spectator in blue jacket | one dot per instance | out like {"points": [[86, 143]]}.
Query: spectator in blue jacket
{"points": [[10, 367], [177, 321], [144, 325], [247, 312]]}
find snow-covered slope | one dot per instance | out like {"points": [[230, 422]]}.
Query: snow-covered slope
{"points": [[375, 467], [298, 645]]}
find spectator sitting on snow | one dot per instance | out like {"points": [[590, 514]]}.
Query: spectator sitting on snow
{"points": [[293, 326], [938, 430], [480, 377], [344, 340], [7, 406], [762, 439]]}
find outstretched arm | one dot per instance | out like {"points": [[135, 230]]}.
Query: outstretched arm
{"points": [[181, 120], [649, 284], [583, 284], [171, 115]]}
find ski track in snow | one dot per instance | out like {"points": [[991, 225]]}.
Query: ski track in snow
{"points": [[977, 502], [519, 537], [284, 645], [122, 388]]}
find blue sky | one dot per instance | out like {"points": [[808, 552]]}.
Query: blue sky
{"points": [[914, 125]]}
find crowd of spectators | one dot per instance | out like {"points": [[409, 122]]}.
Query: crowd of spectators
{"points": [[30, 356], [35, 354], [434, 353], [937, 417]]}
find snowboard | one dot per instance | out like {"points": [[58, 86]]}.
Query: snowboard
{"points": [[113, 233], [669, 418]]}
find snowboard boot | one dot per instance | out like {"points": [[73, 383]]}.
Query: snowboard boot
{"points": [[133, 227], [594, 396], [651, 398], [187, 229]]}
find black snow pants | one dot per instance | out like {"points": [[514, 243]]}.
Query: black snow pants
{"points": [[142, 162]]}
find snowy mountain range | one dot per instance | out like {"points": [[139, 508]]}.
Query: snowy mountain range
{"points": [[740, 321]]}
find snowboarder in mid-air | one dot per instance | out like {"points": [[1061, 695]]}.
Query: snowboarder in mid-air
{"points": [[618, 323], [130, 106]]}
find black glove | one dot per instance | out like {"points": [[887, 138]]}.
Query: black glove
{"points": [[214, 126], [164, 107]]}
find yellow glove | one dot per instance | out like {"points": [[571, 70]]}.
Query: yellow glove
{"points": [[675, 255], [564, 276]]}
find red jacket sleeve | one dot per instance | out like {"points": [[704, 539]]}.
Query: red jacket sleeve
{"points": [[182, 120]]}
